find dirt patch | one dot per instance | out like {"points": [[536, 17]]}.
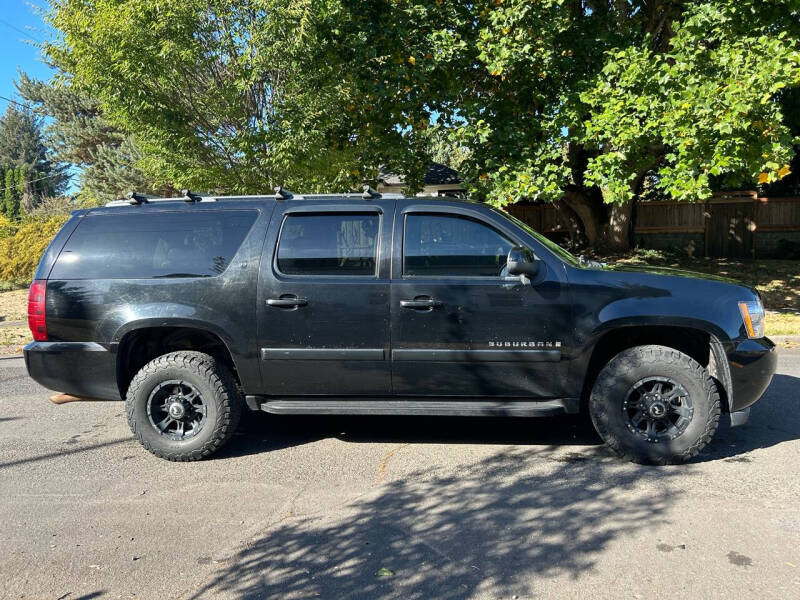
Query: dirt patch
{"points": [[12, 339], [14, 306], [14, 334]]}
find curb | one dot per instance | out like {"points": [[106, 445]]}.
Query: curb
{"points": [[12, 357]]}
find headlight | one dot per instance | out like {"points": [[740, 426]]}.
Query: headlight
{"points": [[753, 317]]}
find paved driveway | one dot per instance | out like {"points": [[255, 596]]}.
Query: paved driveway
{"points": [[437, 508]]}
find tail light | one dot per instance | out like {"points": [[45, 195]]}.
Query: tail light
{"points": [[37, 313]]}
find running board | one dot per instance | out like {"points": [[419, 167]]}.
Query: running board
{"points": [[463, 408]]}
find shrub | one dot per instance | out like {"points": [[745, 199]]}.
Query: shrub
{"points": [[53, 206], [7, 228], [21, 250]]}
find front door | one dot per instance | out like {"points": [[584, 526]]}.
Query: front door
{"points": [[323, 311], [460, 325]]}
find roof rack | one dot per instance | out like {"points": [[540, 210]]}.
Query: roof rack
{"points": [[137, 198], [282, 194], [370, 194], [188, 196]]}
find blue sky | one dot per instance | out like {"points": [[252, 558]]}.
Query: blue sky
{"points": [[19, 24]]}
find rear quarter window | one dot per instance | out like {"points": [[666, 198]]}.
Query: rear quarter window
{"points": [[159, 244]]}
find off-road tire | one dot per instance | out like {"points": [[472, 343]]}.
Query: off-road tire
{"points": [[634, 364], [218, 388]]}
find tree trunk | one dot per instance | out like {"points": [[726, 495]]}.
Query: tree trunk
{"points": [[607, 227], [588, 213], [617, 236]]}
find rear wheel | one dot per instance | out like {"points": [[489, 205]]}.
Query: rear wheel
{"points": [[183, 406], [655, 405]]}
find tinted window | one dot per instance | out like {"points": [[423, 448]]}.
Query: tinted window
{"points": [[158, 244], [328, 244], [443, 245]]}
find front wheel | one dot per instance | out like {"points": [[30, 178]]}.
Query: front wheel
{"points": [[183, 406], [655, 405]]}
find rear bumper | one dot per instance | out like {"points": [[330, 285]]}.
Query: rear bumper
{"points": [[752, 365], [77, 368]]}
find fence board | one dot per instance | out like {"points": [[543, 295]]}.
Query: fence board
{"points": [[728, 224]]}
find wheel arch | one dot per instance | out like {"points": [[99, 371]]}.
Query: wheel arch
{"points": [[699, 342], [140, 344]]}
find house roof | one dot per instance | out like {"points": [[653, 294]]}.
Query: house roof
{"points": [[437, 174]]}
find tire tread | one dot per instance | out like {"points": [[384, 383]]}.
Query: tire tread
{"points": [[226, 396], [635, 357]]}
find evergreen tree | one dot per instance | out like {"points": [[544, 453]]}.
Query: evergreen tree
{"points": [[11, 201], [78, 134], [24, 195], [22, 145], [2, 196]]}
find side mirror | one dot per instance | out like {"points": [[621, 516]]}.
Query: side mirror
{"points": [[521, 262]]}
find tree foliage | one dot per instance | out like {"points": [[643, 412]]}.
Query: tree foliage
{"points": [[29, 172], [77, 133], [555, 99], [220, 95]]}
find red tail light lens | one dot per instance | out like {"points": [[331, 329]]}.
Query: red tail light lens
{"points": [[37, 315]]}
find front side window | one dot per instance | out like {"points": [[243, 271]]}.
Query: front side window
{"points": [[437, 245], [344, 244]]}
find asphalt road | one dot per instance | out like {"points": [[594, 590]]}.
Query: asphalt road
{"points": [[427, 508]]}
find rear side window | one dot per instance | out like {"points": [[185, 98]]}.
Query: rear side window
{"points": [[162, 244], [343, 244], [452, 246]]}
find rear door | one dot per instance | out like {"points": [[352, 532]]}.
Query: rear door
{"points": [[323, 306], [460, 325]]}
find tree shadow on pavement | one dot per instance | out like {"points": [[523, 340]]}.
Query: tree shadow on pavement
{"points": [[260, 432], [493, 524], [774, 419]]}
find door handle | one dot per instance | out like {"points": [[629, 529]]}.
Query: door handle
{"points": [[289, 302], [428, 303]]}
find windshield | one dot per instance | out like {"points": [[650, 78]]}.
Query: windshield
{"points": [[552, 246]]}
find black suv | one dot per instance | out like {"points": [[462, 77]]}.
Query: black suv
{"points": [[193, 309]]}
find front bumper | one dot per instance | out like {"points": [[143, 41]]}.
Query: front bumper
{"points": [[77, 368], [752, 365]]}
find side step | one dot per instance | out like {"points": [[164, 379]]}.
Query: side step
{"points": [[464, 408]]}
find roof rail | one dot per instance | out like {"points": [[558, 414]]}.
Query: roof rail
{"points": [[190, 197]]}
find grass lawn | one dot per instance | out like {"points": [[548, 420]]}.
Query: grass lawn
{"points": [[777, 280]]}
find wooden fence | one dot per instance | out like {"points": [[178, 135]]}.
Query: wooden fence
{"points": [[731, 224]]}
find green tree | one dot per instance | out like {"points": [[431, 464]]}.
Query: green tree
{"points": [[573, 100], [579, 101], [20, 138], [219, 95], [3, 195], [24, 191], [22, 147], [78, 134], [11, 195]]}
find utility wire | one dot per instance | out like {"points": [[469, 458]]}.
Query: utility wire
{"points": [[17, 29], [2, 191], [20, 104]]}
